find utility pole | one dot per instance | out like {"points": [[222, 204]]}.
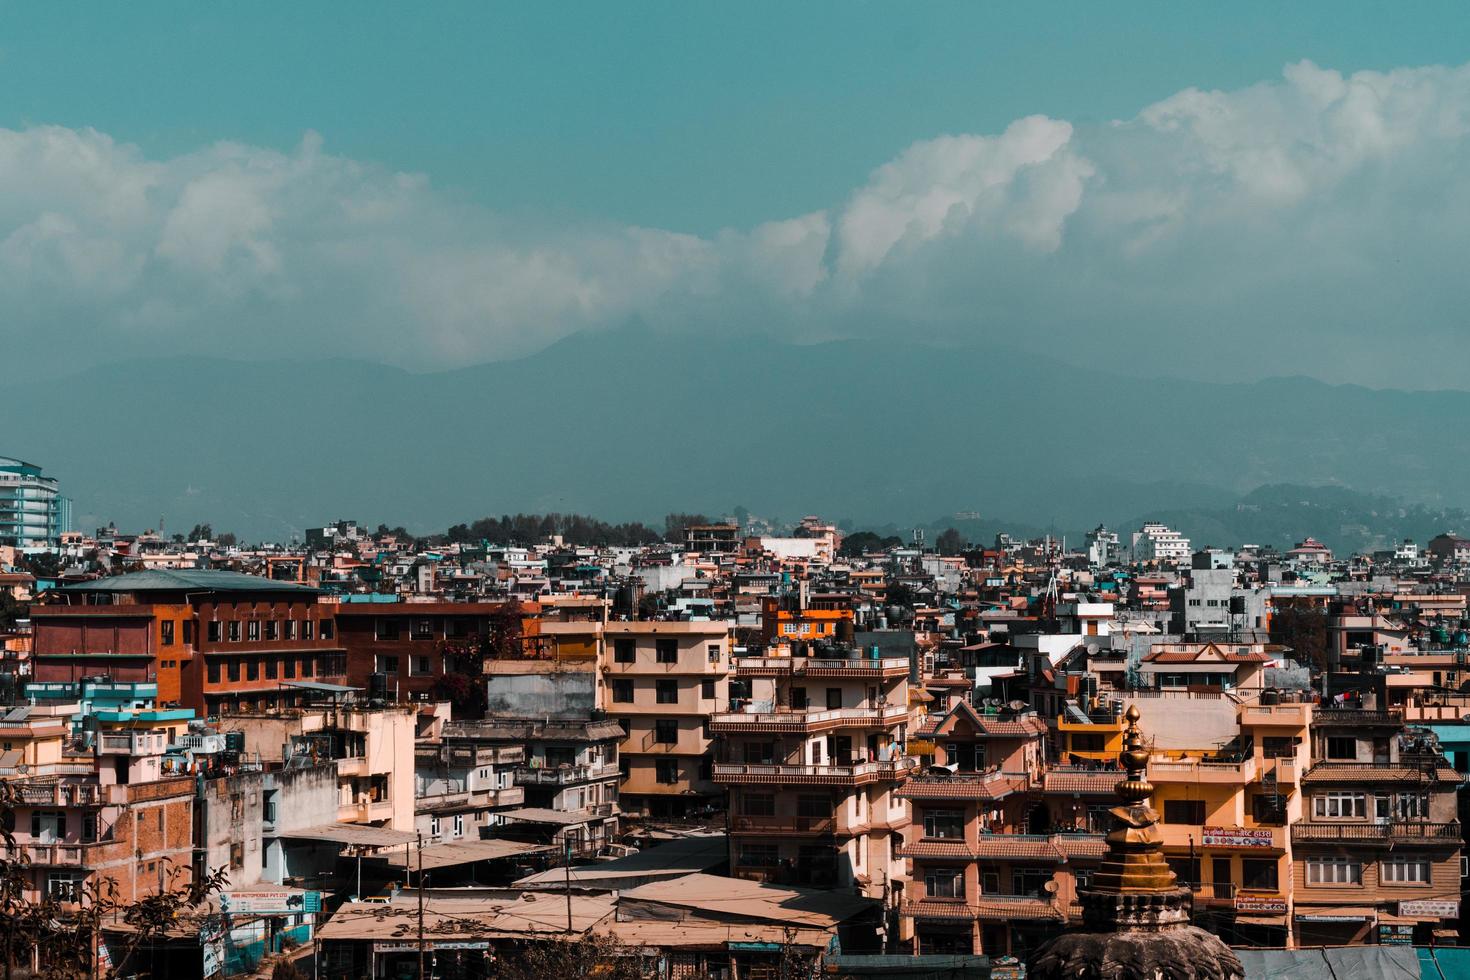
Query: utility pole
{"points": [[567, 875], [421, 906]]}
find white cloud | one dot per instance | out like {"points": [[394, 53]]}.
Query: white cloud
{"points": [[1279, 227]]}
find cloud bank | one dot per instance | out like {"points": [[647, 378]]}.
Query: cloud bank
{"points": [[1313, 224]]}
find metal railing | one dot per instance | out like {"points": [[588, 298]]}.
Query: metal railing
{"points": [[777, 772]]}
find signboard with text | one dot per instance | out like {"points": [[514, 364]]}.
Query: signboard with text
{"points": [[1439, 908], [1260, 904], [268, 902], [1237, 837]]}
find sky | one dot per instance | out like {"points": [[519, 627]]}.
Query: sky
{"points": [[1213, 191]]}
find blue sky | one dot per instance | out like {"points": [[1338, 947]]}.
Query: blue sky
{"points": [[1283, 185], [686, 116]]}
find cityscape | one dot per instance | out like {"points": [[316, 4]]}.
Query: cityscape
{"points": [[663, 743], [817, 490]]}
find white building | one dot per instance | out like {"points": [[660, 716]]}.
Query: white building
{"points": [[1158, 543]]}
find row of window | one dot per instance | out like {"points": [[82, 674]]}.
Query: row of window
{"points": [[1347, 804], [274, 668], [1349, 871], [423, 628], [666, 690], [419, 665], [251, 630], [665, 650]]}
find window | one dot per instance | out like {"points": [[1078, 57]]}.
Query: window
{"points": [[944, 823], [625, 649], [270, 669], [306, 666], [213, 631], [252, 631], [667, 651], [306, 629], [813, 805], [433, 826], [944, 883], [166, 632], [420, 666], [666, 770], [714, 653], [1337, 805], [422, 629], [1342, 747], [290, 627], [666, 731], [272, 630], [459, 825], [252, 670], [290, 664], [1413, 806], [1030, 881], [234, 630], [758, 856], [1088, 742], [1334, 871], [622, 691], [89, 827], [387, 664], [64, 887], [667, 691], [834, 697], [234, 670], [328, 629], [758, 804], [1259, 874], [1184, 811], [214, 672], [799, 700], [386, 629], [1278, 746], [1405, 870], [188, 632], [707, 690]]}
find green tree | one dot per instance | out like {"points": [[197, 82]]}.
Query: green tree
{"points": [[950, 542], [1300, 624], [676, 524]]}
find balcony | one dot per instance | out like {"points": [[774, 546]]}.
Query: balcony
{"points": [[1394, 832], [1283, 771], [1349, 717], [1276, 715], [1237, 772], [564, 775], [55, 855], [782, 825], [353, 766], [822, 666], [59, 794], [365, 811], [484, 755], [467, 800], [859, 774], [131, 743], [806, 721]]}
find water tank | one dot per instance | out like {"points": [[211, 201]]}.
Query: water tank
{"points": [[235, 742], [1371, 654], [844, 632], [1440, 635], [1462, 638], [1270, 696], [377, 686], [1237, 605]]}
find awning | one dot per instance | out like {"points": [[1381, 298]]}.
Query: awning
{"points": [[449, 854], [321, 687], [1260, 920], [356, 834], [1336, 913]]}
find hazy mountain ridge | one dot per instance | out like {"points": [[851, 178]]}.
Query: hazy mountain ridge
{"points": [[632, 424]]}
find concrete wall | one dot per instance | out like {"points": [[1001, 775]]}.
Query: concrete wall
{"points": [[303, 797], [563, 694], [232, 833]]}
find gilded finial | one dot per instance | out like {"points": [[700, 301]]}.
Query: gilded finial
{"points": [[1134, 760]]}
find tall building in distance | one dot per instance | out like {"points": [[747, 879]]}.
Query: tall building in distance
{"points": [[33, 513]]}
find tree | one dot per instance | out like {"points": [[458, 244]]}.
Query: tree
{"points": [[676, 524], [860, 543], [465, 694], [201, 532], [61, 936], [950, 542], [1300, 624], [590, 955]]}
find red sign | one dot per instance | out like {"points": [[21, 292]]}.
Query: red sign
{"points": [[1237, 837], [1260, 904]]}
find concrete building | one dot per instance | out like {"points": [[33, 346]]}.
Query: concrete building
{"points": [[1158, 544], [813, 752], [208, 639], [372, 746], [33, 513], [662, 682], [463, 788]]}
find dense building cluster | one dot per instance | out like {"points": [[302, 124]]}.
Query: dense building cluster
{"points": [[741, 753]]}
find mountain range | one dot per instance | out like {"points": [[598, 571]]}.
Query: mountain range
{"points": [[631, 424]]}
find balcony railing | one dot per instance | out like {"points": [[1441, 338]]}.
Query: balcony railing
{"points": [[1398, 831], [563, 775], [798, 718], [1328, 715], [60, 794], [862, 772]]}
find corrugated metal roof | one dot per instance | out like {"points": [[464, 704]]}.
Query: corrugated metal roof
{"points": [[190, 580]]}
